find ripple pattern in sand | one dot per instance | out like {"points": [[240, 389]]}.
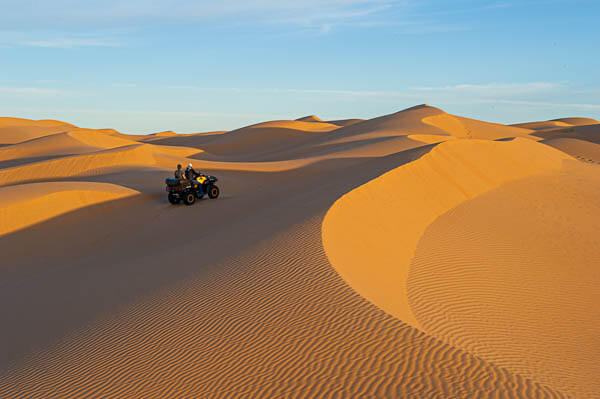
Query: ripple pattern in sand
{"points": [[512, 277], [274, 322]]}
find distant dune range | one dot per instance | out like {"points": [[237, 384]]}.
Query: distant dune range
{"points": [[418, 254]]}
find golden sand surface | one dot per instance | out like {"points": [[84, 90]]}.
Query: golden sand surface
{"points": [[417, 254]]}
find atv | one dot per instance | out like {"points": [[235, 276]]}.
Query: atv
{"points": [[190, 190]]}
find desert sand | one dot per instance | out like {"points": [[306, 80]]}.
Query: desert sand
{"points": [[417, 254]]}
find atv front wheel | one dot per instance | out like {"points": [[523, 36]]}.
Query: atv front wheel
{"points": [[213, 192], [189, 199], [173, 199]]}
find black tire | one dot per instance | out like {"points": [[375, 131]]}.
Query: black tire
{"points": [[189, 198], [213, 192], [173, 199]]}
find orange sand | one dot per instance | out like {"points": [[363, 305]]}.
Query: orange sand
{"points": [[418, 254]]}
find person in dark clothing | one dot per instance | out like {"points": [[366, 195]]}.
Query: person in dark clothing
{"points": [[190, 173], [179, 174]]}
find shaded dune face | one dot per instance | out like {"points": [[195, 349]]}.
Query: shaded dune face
{"points": [[512, 276], [589, 133], [557, 123], [580, 149], [345, 258]]}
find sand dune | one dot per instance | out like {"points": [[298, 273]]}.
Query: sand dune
{"points": [[168, 133], [521, 295], [21, 122], [266, 137], [545, 125], [126, 157], [25, 205], [584, 132], [310, 118], [422, 121], [557, 123], [577, 121], [404, 202], [262, 325], [470, 128], [196, 140], [77, 141], [345, 122], [417, 254], [15, 130], [583, 150]]}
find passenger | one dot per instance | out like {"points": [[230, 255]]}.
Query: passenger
{"points": [[179, 173]]}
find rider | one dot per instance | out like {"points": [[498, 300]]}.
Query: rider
{"points": [[191, 175]]}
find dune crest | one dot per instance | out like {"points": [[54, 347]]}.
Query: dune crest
{"points": [[402, 203], [15, 130], [25, 205], [577, 121], [310, 118], [14, 122]]}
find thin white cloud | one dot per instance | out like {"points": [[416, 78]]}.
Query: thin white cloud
{"points": [[590, 107], [28, 91], [347, 93], [320, 15], [53, 39], [86, 11], [69, 43], [124, 85], [496, 89], [193, 114], [473, 92]]}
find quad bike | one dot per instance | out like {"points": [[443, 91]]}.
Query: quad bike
{"points": [[190, 190]]}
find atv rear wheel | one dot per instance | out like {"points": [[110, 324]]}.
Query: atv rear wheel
{"points": [[173, 199], [213, 192], [189, 199]]}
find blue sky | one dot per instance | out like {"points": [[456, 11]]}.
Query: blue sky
{"points": [[189, 66]]}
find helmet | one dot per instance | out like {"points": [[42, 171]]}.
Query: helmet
{"points": [[189, 165], [178, 166]]}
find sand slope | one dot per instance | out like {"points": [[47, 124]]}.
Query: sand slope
{"points": [[77, 141], [264, 324], [557, 123], [345, 122], [311, 276], [16, 130], [424, 121], [483, 245], [583, 150], [310, 118], [269, 136], [586, 132], [401, 204], [25, 205], [519, 286]]}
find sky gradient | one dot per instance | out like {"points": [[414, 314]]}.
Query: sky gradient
{"points": [[191, 66]]}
